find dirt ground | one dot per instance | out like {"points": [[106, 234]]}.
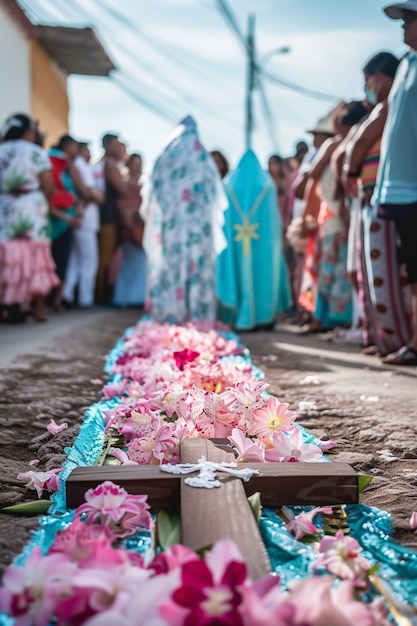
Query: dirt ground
{"points": [[370, 410]]}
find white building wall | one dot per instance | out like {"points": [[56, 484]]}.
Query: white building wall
{"points": [[15, 77]]}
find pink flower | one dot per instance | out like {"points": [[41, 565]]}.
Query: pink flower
{"points": [[31, 593], [114, 389], [55, 428], [110, 505], [340, 555], [174, 557], [42, 481], [290, 448], [327, 445], [413, 520], [249, 451], [264, 604], [121, 456], [302, 524], [182, 357], [272, 418], [141, 607], [79, 540], [317, 602], [210, 592]]}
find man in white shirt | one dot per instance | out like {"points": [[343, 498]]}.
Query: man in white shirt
{"points": [[83, 262]]}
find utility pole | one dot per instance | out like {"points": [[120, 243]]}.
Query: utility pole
{"points": [[250, 86]]}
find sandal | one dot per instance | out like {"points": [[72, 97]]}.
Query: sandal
{"points": [[404, 356]]}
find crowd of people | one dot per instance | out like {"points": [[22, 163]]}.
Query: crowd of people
{"points": [[325, 236], [353, 236], [70, 230]]}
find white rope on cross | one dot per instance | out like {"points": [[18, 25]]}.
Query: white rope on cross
{"points": [[207, 477]]}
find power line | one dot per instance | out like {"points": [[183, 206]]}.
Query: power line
{"points": [[231, 20], [148, 104], [152, 40], [305, 91], [185, 96]]}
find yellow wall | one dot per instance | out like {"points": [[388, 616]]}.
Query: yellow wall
{"points": [[49, 98]]}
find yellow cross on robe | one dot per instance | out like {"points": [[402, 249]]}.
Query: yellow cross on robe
{"points": [[245, 233]]}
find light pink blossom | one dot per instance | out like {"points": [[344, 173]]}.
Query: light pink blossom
{"points": [[41, 481], [341, 556], [110, 505], [302, 524], [274, 417], [327, 445], [114, 389], [289, 447], [317, 602], [32, 593], [55, 428], [249, 451], [79, 541]]}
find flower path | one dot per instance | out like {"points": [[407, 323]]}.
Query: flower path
{"points": [[178, 382]]}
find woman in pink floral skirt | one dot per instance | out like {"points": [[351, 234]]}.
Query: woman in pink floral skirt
{"points": [[26, 266]]}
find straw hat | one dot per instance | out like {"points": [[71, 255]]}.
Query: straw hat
{"points": [[324, 125]]}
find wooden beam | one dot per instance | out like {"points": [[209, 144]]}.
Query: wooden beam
{"points": [[163, 490], [208, 515], [314, 484]]}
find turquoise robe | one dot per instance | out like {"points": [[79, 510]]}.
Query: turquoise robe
{"points": [[251, 273]]}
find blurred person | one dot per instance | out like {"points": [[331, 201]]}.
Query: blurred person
{"points": [[395, 194], [333, 305], [65, 210], [307, 191], [386, 324], [184, 217], [83, 260], [222, 163], [115, 187], [279, 171], [129, 287], [26, 265], [252, 279]]}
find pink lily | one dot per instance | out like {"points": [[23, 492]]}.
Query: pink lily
{"points": [[55, 428], [210, 591], [111, 505], [41, 481], [317, 602], [340, 555], [32, 593], [80, 541], [249, 451], [182, 357], [302, 524], [289, 447], [114, 389], [121, 456], [274, 417], [327, 445]]}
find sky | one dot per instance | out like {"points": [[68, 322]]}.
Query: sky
{"points": [[181, 57]]}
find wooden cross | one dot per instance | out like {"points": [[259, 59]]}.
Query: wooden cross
{"points": [[208, 515]]}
